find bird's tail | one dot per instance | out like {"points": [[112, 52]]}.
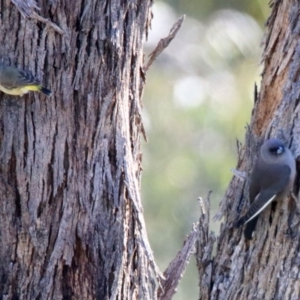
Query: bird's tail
{"points": [[45, 91], [35, 87], [250, 227]]}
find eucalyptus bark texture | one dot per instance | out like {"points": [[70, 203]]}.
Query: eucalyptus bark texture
{"points": [[71, 223], [268, 266]]}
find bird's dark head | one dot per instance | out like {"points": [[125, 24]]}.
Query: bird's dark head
{"points": [[274, 147]]}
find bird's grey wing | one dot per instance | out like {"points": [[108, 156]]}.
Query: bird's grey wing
{"points": [[250, 227], [262, 200], [14, 78], [266, 196], [26, 78]]}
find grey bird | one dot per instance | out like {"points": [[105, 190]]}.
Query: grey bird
{"points": [[14, 81], [271, 179]]}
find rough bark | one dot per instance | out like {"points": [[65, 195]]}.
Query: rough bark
{"points": [[70, 165], [266, 267]]}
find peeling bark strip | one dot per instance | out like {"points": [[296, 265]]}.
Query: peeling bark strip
{"points": [[268, 266], [70, 166], [26, 7], [164, 43], [204, 247], [176, 268]]}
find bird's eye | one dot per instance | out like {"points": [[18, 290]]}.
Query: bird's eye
{"points": [[277, 150]]}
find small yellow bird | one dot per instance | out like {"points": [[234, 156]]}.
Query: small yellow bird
{"points": [[14, 81]]}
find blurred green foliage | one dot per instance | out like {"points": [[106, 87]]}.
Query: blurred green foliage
{"points": [[197, 102]]}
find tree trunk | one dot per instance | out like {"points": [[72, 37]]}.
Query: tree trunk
{"points": [[267, 267], [70, 165]]}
